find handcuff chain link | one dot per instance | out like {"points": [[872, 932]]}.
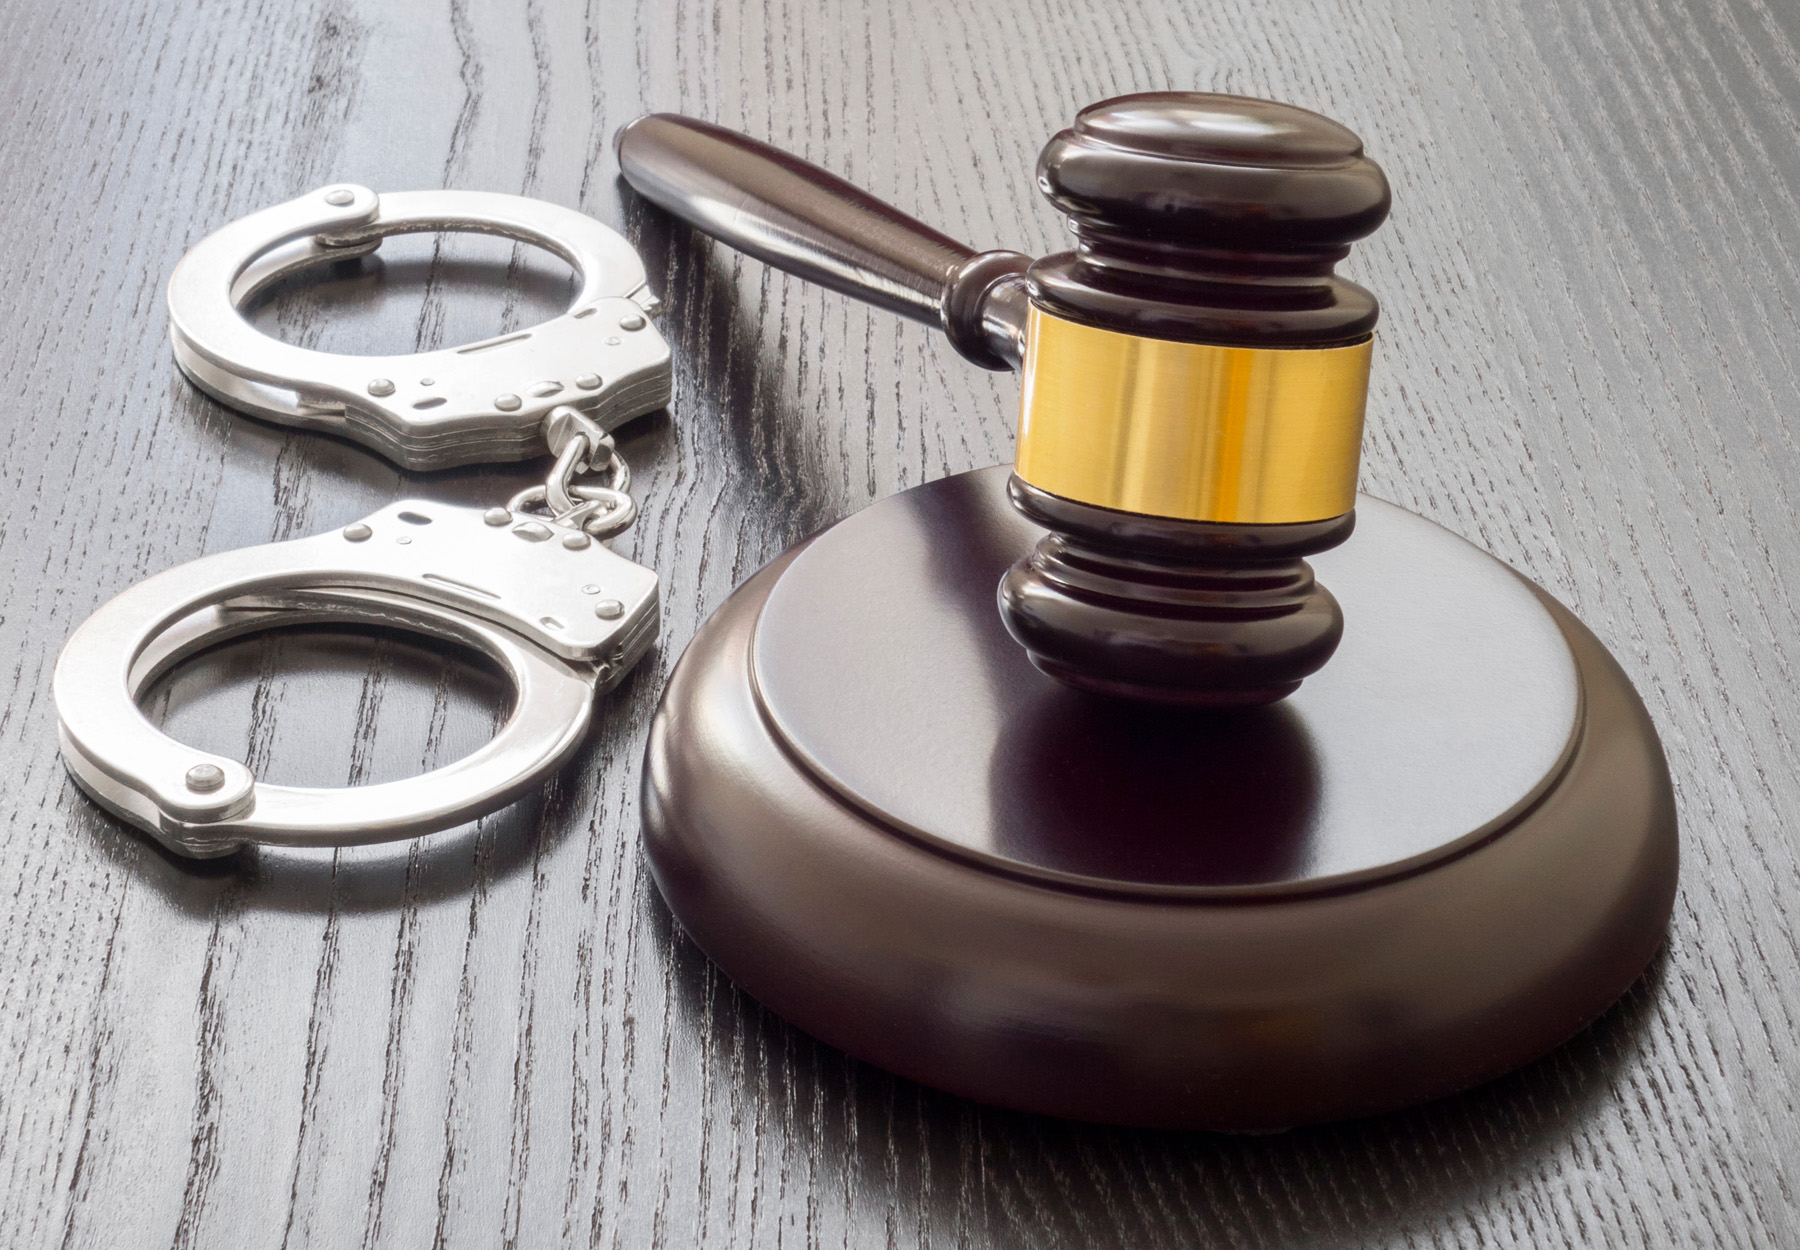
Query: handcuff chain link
{"points": [[601, 510]]}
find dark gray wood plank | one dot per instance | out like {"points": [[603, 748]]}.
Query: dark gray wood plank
{"points": [[496, 1035]]}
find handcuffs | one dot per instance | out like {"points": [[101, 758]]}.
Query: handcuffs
{"points": [[528, 584]]}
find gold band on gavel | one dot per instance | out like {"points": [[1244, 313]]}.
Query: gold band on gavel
{"points": [[1258, 436]]}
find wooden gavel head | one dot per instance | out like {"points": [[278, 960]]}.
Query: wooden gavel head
{"points": [[1194, 373], [1194, 382]]}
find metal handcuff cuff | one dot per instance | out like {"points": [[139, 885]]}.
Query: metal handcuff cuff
{"points": [[528, 584]]}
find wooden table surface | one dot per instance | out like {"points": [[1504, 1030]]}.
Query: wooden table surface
{"points": [[497, 1036]]}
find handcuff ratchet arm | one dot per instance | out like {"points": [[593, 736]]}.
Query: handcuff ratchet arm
{"points": [[564, 619], [483, 401]]}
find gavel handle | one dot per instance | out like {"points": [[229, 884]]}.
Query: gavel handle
{"points": [[795, 216]]}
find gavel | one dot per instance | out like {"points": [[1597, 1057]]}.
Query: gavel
{"points": [[1194, 372], [1454, 846]]}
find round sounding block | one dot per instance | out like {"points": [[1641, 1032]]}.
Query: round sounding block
{"points": [[1453, 847]]}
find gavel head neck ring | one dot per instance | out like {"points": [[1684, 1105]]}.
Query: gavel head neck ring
{"points": [[1194, 383]]}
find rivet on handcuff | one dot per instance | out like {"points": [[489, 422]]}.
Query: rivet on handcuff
{"points": [[527, 584]]}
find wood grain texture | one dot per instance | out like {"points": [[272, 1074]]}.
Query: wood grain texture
{"points": [[496, 1036]]}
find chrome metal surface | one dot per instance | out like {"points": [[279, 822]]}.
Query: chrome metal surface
{"points": [[598, 511], [484, 401], [427, 567]]}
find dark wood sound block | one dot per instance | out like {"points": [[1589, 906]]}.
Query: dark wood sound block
{"points": [[1448, 852]]}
